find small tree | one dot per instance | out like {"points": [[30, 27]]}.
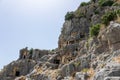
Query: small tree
{"points": [[31, 51], [84, 4], [118, 12], [69, 16], [94, 30], [109, 17]]}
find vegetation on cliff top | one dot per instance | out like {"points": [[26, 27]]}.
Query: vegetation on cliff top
{"points": [[110, 16], [106, 2], [69, 16]]}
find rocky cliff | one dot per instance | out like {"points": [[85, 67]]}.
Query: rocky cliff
{"points": [[88, 48]]}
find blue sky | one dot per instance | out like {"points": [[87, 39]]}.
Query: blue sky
{"points": [[32, 23]]}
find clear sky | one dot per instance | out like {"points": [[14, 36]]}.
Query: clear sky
{"points": [[31, 23]]}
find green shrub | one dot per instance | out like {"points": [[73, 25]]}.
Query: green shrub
{"points": [[82, 15], [110, 16], [96, 12], [69, 16], [106, 2], [31, 51], [84, 4], [94, 30], [116, 4], [118, 12]]}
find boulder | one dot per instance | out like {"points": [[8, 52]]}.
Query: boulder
{"points": [[113, 36]]}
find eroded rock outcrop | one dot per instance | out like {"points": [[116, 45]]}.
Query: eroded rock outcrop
{"points": [[78, 56]]}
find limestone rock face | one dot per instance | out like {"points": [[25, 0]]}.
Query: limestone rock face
{"points": [[113, 36], [73, 31], [78, 56], [110, 72], [15, 69], [34, 54], [109, 37], [112, 32]]}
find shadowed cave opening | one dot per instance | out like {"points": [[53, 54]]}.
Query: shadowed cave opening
{"points": [[71, 42], [82, 35], [24, 57], [17, 73], [57, 61]]}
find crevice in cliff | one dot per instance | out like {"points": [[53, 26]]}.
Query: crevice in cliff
{"points": [[17, 73]]}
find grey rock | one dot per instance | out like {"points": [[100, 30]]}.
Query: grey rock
{"points": [[18, 68], [79, 76]]}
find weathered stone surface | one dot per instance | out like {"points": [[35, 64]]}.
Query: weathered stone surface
{"points": [[79, 76], [34, 54], [78, 56], [21, 78], [110, 72], [113, 36], [18, 68]]}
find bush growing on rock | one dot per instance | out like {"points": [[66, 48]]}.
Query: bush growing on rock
{"points": [[31, 51], [118, 12], [96, 12], [69, 15], [94, 30], [116, 4], [106, 2], [110, 16], [84, 4]]}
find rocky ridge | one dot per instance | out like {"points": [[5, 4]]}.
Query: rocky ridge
{"points": [[80, 55]]}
